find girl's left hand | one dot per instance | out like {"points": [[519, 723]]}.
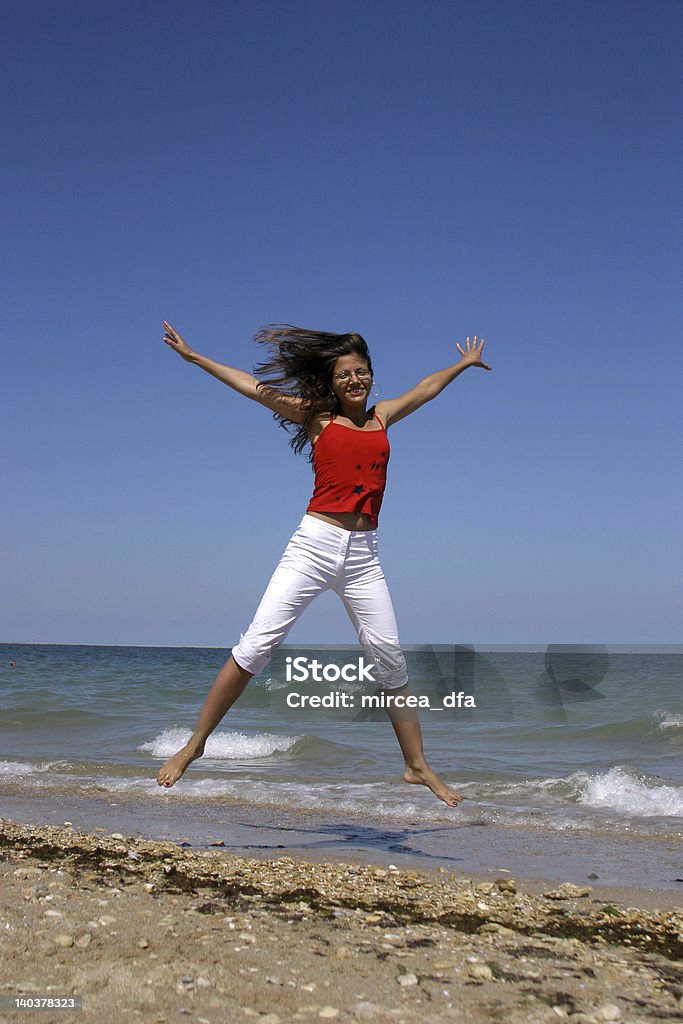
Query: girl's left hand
{"points": [[472, 354]]}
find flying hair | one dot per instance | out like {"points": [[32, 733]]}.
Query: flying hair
{"points": [[300, 364]]}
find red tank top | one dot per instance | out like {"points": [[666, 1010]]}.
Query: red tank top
{"points": [[350, 470]]}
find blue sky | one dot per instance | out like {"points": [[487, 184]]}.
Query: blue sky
{"points": [[417, 172]]}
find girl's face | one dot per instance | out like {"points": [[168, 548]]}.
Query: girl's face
{"points": [[351, 389]]}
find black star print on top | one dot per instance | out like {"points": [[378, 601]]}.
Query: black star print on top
{"points": [[358, 489]]}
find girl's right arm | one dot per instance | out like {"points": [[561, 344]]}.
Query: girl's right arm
{"points": [[239, 380]]}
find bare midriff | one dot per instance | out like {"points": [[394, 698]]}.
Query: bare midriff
{"points": [[347, 520]]}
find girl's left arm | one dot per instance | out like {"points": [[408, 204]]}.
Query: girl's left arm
{"points": [[394, 409]]}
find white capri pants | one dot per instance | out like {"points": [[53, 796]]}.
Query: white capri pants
{"points": [[319, 557]]}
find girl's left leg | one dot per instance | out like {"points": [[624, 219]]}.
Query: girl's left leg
{"points": [[370, 608], [409, 736]]}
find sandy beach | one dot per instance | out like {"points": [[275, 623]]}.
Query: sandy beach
{"points": [[148, 930]]}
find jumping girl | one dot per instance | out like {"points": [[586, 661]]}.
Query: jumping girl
{"points": [[317, 385]]}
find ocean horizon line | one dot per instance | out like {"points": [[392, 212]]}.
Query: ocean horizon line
{"points": [[493, 648]]}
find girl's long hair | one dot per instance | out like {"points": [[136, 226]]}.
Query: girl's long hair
{"points": [[300, 363]]}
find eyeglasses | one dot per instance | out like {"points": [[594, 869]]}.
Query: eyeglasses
{"points": [[362, 374]]}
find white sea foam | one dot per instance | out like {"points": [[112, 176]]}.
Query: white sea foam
{"points": [[619, 788], [555, 800], [370, 801], [623, 790], [271, 684], [15, 769], [222, 745], [669, 720]]}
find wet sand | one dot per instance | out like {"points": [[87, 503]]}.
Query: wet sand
{"points": [[148, 930], [467, 844]]}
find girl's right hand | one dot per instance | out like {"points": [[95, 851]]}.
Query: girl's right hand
{"points": [[177, 343]]}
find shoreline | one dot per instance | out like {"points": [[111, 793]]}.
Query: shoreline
{"points": [[472, 847], [140, 926]]}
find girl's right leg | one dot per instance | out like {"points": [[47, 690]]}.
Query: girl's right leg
{"points": [[227, 687], [301, 575]]}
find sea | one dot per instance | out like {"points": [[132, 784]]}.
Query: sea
{"points": [[569, 759]]}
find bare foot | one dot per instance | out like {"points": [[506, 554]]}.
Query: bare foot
{"points": [[426, 777], [174, 768]]}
